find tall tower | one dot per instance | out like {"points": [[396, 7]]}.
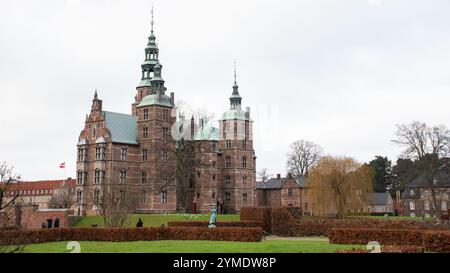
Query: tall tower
{"points": [[147, 67], [239, 166]]}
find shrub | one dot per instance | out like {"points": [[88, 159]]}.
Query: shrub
{"points": [[258, 215], [253, 234], [284, 221], [218, 224], [383, 236], [438, 241]]}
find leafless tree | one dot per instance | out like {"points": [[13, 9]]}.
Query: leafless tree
{"points": [[304, 155], [115, 203], [430, 146], [9, 181], [63, 197], [264, 175]]}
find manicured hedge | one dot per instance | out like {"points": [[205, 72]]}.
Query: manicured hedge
{"points": [[218, 224], [313, 227], [263, 215], [383, 236], [386, 249], [431, 240], [253, 234], [283, 221]]}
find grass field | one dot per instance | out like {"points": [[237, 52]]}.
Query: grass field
{"points": [[156, 220], [285, 246]]}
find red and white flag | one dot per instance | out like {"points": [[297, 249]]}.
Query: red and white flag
{"points": [[62, 165]]}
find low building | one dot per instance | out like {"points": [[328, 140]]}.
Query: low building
{"points": [[282, 192], [36, 192], [380, 204], [417, 200]]}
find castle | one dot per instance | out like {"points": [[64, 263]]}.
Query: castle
{"points": [[139, 153]]}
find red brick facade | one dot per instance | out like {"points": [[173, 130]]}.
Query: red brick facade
{"points": [[225, 175]]}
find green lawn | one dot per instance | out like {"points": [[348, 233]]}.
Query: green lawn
{"points": [[303, 246], [156, 220]]}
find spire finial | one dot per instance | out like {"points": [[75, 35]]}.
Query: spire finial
{"points": [[235, 73], [153, 22], [95, 95]]}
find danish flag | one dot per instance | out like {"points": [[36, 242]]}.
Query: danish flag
{"points": [[62, 165]]}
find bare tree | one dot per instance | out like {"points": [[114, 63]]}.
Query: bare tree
{"points": [[115, 203], [63, 197], [264, 175], [339, 185], [304, 155], [9, 182], [430, 146]]}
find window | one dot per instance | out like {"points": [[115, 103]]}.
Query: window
{"points": [[165, 155], [427, 205], [227, 181], [123, 153], [214, 178], [244, 199], [79, 178], [213, 195], [96, 197], [290, 192], [412, 205], [82, 154], [79, 196], [145, 132], [227, 198], [102, 177], [164, 197], [165, 133], [123, 176], [144, 155], [97, 177], [146, 114], [244, 144], [122, 197], [228, 144], [143, 198], [244, 162], [166, 114], [444, 206], [244, 182], [85, 178], [228, 162], [98, 153], [144, 177]]}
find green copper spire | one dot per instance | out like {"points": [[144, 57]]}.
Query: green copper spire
{"points": [[235, 99], [151, 56]]}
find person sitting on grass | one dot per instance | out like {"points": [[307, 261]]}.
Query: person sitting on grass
{"points": [[139, 224]]}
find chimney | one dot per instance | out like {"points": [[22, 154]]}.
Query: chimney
{"points": [[278, 176], [172, 98]]}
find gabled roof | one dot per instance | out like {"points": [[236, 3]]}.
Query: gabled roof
{"points": [[378, 198], [122, 127], [443, 180], [277, 183]]}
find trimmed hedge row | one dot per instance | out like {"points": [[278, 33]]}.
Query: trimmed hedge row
{"points": [[387, 249], [435, 240], [247, 234], [218, 224], [263, 215], [322, 227]]}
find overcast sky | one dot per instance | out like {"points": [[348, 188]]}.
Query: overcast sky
{"points": [[339, 73]]}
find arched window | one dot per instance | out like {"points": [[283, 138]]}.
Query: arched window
{"points": [[164, 197], [244, 162]]}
